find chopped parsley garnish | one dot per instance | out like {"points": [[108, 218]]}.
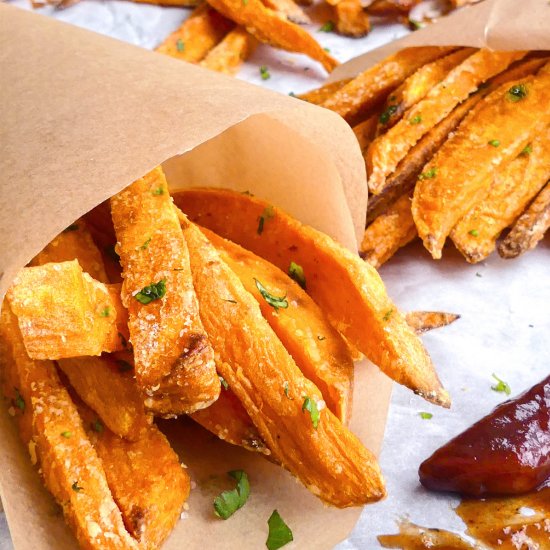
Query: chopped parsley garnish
{"points": [[274, 301], [327, 27], [105, 312], [180, 45], [228, 502], [415, 25], [425, 415], [516, 93], [478, 274], [387, 315], [494, 142], [473, 233], [267, 214], [321, 338], [428, 174], [19, 402], [75, 487], [158, 191], [224, 382], [145, 244], [151, 292], [264, 73], [287, 389], [297, 273], [501, 385], [415, 120], [310, 406], [66, 435], [327, 50], [387, 114], [291, 94], [72, 227], [279, 532], [97, 426], [124, 366], [527, 150]]}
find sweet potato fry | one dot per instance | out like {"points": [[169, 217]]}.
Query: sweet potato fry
{"points": [[347, 289], [449, 187], [386, 8], [351, 19], [424, 321], [267, 26], [386, 151], [69, 465], [512, 189], [174, 362], [63, 312], [229, 54], [388, 233], [197, 35], [318, 350], [299, 430], [370, 88], [319, 95], [530, 227], [292, 11], [417, 86], [179, 3]]}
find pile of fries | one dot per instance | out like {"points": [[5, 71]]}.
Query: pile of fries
{"points": [[233, 313], [456, 143]]}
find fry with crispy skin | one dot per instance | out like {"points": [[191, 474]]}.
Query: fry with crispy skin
{"points": [[351, 19], [449, 186], [424, 321], [267, 26], [370, 88], [347, 289], [289, 9], [301, 433], [512, 189], [174, 362], [319, 95], [386, 8], [529, 228], [237, 46], [386, 151]]}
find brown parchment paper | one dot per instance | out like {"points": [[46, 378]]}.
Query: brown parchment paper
{"points": [[495, 24], [81, 117]]}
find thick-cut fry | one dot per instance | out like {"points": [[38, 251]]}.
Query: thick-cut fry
{"points": [[424, 321], [292, 11], [174, 361], [68, 463], [391, 7], [268, 27], [63, 312], [318, 350], [417, 87], [530, 227], [229, 54], [347, 289], [288, 410], [386, 151], [197, 35], [371, 87], [319, 95], [455, 179], [351, 19], [388, 233], [513, 188]]}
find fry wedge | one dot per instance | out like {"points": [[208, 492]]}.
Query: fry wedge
{"points": [[292, 11], [319, 95], [174, 362], [314, 446], [386, 151], [69, 465], [386, 8], [197, 35], [424, 321], [370, 88], [268, 27], [63, 312], [529, 228], [229, 54], [513, 188], [388, 233], [351, 19], [348, 290], [448, 187]]}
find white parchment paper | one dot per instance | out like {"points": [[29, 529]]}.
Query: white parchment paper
{"points": [[504, 304]]}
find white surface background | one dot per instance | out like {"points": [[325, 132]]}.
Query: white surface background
{"points": [[504, 304]]}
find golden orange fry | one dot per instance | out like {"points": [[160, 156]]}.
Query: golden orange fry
{"points": [[319, 95], [424, 321], [292, 11], [386, 8], [229, 54], [351, 19]]}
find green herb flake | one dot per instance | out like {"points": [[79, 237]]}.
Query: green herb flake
{"points": [[223, 382], [516, 93], [19, 402], [479, 274], [228, 502], [387, 315], [428, 174], [267, 214], [296, 272], [387, 114], [321, 338], [473, 233], [327, 50], [264, 73], [494, 143], [123, 366], [292, 94], [158, 191], [145, 244], [327, 27], [286, 387], [72, 227], [425, 415], [415, 25], [97, 426], [105, 312], [501, 386], [310, 406], [151, 292], [66, 435], [274, 301], [180, 45], [415, 120], [527, 150], [75, 487], [279, 532]]}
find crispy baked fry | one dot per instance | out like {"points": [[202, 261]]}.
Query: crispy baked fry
{"points": [[424, 321], [180, 3], [229, 54], [351, 19], [319, 95], [388, 233], [69, 465], [348, 290], [174, 361], [417, 86], [63, 312], [197, 35], [529, 228], [314, 446], [318, 350], [391, 7], [386, 151], [268, 27], [370, 88], [450, 186], [292, 11], [513, 188]]}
